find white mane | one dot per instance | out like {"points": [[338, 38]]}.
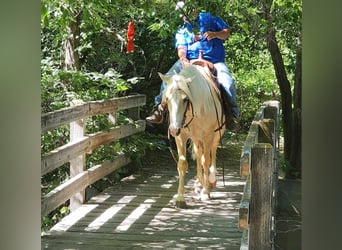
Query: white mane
{"points": [[193, 81]]}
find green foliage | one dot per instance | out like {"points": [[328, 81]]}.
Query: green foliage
{"points": [[107, 71], [253, 88], [59, 87]]}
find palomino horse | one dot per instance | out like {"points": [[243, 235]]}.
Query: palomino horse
{"points": [[195, 113]]}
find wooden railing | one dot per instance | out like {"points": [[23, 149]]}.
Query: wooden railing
{"points": [[258, 164], [81, 144]]}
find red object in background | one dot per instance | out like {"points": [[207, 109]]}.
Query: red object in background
{"points": [[130, 37]]}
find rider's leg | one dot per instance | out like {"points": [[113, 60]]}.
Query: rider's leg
{"points": [[225, 78], [227, 81], [159, 109]]}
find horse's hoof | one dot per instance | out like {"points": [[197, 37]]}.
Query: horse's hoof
{"points": [[181, 204], [212, 185], [197, 190], [205, 196]]}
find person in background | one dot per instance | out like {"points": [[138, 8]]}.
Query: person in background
{"points": [[212, 30]]}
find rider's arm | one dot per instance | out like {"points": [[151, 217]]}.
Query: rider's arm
{"points": [[181, 52], [222, 34]]}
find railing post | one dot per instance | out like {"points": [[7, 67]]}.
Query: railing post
{"points": [[261, 197], [77, 165], [271, 111]]}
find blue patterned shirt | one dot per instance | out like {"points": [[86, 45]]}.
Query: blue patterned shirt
{"points": [[213, 50]]}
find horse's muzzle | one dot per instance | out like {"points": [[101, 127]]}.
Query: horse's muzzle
{"points": [[174, 131]]}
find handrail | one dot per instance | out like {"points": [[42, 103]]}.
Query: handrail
{"points": [[258, 164], [81, 144]]}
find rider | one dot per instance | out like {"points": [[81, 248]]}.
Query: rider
{"points": [[212, 31]]}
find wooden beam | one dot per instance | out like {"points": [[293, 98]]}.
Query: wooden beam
{"points": [[244, 205], [260, 225], [77, 164], [69, 151], [65, 116], [251, 139], [63, 192]]}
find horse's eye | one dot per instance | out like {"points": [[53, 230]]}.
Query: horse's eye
{"points": [[185, 100]]}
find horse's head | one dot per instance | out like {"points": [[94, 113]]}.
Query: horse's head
{"points": [[176, 95]]}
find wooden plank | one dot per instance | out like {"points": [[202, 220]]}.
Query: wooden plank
{"points": [[63, 192], [77, 164], [259, 114], [183, 240], [64, 116], [271, 113], [205, 224], [266, 132], [245, 205], [116, 104], [111, 221], [102, 138], [262, 131], [251, 139], [65, 153], [244, 240], [261, 196]]}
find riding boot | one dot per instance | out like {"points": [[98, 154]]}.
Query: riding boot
{"points": [[230, 122], [158, 113]]}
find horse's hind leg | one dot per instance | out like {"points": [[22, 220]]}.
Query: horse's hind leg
{"points": [[205, 193], [182, 167]]}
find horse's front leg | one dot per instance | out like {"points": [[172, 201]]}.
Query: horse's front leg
{"points": [[205, 193], [197, 150], [182, 167], [212, 168]]}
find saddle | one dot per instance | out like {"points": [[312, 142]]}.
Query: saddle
{"points": [[204, 63]]}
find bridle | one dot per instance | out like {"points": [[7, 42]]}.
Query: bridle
{"points": [[184, 116], [189, 103]]}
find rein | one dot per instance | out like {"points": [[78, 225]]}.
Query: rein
{"points": [[192, 114]]}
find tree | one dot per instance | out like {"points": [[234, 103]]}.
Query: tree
{"points": [[291, 107], [276, 25]]}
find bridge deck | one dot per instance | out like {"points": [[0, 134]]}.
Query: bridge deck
{"points": [[139, 213]]}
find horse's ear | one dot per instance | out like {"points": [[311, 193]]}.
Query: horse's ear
{"points": [[164, 77]]}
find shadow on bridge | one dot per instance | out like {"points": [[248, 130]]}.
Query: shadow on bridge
{"points": [[139, 211]]}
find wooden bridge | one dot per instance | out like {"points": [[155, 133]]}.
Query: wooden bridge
{"points": [[139, 212]]}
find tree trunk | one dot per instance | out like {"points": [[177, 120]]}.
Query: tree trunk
{"points": [[291, 118], [296, 148], [71, 56], [285, 90]]}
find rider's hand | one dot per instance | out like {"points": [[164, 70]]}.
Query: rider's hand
{"points": [[185, 62], [210, 35]]}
